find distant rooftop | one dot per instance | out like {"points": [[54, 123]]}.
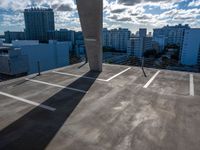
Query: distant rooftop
{"points": [[118, 109], [38, 8]]}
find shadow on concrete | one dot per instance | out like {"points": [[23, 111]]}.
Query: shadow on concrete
{"points": [[36, 129], [82, 65], [24, 81]]}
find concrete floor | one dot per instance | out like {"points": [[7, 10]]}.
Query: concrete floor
{"points": [[119, 114]]}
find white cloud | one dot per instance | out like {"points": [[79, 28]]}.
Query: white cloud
{"points": [[67, 20], [163, 4], [65, 13], [135, 15], [116, 14], [194, 3], [12, 21], [19, 5]]}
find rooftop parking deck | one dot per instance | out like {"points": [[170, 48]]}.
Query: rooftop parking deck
{"points": [[72, 108]]}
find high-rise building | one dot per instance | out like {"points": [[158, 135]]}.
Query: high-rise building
{"points": [[161, 41], [138, 45], [1, 42], [171, 34], [106, 38], [79, 36], [116, 38], [142, 32], [38, 21], [190, 54], [16, 35], [62, 35], [80, 49]]}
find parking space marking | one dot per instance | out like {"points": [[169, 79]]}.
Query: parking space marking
{"points": [[118, 74], [28, 101], [82, 76], [56, 85], [151, 80], [112, 65], [78, 76], [191, 85]]}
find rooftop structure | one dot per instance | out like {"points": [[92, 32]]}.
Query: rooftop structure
{"points": [[118, 109], [13, 62], [32, 56]]}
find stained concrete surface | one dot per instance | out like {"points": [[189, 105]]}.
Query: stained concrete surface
{"points": [[106, 73], [115, 115]]}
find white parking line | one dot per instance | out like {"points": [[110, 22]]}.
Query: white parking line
{"points": [[82, 76], [78, 76], [112, 65], [56, 85], [191, 85], [28, 101], [118, 74], [151, 80]]}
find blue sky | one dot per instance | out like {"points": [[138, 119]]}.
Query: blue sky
{"points": [[132, 14]]}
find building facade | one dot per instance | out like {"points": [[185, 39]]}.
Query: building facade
{"points": [[14, 35], [1, 42], [62, 35], [116, 38], [190, 54], [50, 56], [38, 21], [142, 32], [170, 34], [138, 45], [106, 38], [161, 41], [13, 62]]}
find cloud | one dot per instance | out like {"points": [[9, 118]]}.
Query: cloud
{"points": [[62, 7], [11, 20], [131, 14], [119, 18], [125, 19], [20, 5], [64, 10], [194, 3], [129, 2], [163, 4], [118, 10], [143, 17], [181, 16], [133, 2]]}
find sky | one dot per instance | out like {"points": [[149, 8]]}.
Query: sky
{"points": [[131, 14]]}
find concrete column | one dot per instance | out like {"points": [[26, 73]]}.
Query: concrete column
{"points": [[91, 18]]}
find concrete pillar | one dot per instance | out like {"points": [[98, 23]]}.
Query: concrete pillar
{"points": [[91, 18]]}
